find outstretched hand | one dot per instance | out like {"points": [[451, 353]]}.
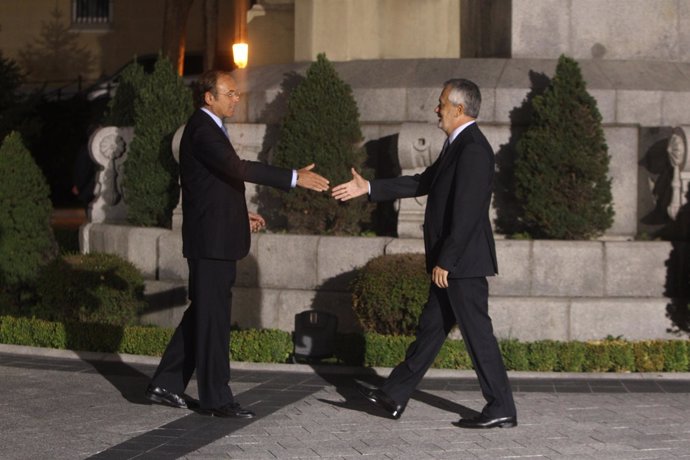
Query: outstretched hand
{"points": [[358, 186], [308, 179]]}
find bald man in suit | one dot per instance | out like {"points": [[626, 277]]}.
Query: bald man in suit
{"points": [[216, 233]]}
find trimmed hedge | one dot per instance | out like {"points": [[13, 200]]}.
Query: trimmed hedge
{"points": [[389, 293], [90, 288], [372, 350]]}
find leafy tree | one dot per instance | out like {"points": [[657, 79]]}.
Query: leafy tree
{"points": [[322, 126], [150, 175], [561, 169], [56, 54], [26, 238]]}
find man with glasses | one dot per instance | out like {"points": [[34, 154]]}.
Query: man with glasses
{"points": [[216, 231]]}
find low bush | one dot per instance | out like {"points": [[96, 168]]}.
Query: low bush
{"points": [[90, 288], [571, 356], [542, 355], [389, 293], [261, 346], [372, 350], [514, 355]]}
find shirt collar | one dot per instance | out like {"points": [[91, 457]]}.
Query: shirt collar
{"points": [[214, 117], [458, 130]]}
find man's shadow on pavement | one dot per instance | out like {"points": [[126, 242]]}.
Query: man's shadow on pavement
{"points": [[347, 387]]}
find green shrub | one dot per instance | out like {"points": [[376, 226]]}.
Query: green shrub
{"points": [[322, 126], [389, 293], [561, 168], [649, 356], [675, 355], [121, 106], [621, 357], [597, 357], [543, 355], [571, 356], [91, 288], [32, 332], [26, 238], [453, 355], [515, 355], [151, 173], [385, 351], [264, 345]]}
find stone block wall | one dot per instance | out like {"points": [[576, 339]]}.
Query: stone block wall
{"points": [[561, 290]]}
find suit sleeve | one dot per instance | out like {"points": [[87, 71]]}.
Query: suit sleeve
{"points": [[472, 190], [403, 186], [218, 155]]}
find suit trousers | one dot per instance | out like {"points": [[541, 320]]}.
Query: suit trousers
{"points": [[464, 302], [201, 340]]}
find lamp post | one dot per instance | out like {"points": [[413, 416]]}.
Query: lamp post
{"points": [[240, 49]]}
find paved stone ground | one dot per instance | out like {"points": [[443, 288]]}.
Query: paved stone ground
{"points": [[62, 405]]}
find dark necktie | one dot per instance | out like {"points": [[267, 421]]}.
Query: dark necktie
{"points": [[443, 150]]}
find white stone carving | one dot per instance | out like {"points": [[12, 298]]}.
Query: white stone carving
{"points": [[108, 148], [677, 150], [177, 212], [418, 146]]}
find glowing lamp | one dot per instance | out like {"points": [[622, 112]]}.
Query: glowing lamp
{"points": [[240, 54]]}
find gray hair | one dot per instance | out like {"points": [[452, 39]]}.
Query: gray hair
{"points": [[466, 93]]}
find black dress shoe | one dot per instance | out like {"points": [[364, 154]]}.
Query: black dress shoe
{"points": [[230, 410], [163, 396], [382, 400], [483, 421]]}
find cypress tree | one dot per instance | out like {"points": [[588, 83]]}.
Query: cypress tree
{"points": [[26, 238], [322, 126], [151, 187], [561, 168], [121, 106]]}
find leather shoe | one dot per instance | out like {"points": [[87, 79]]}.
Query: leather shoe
{"points": [[230, 410], [483, 421], [163, 396], [382, 400]]}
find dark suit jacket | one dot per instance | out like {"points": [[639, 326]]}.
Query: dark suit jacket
{"points": [[215, 224], [457, 229]]}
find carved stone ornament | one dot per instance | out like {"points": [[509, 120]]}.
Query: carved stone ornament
{"points": [[677, 151], [108, 149], [419, 144]]}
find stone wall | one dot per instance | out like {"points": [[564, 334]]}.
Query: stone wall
{"points": [[557, 290], [596, 29]]}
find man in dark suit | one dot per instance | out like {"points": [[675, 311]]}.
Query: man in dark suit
{"points": [[216, 231], [460, 254]]}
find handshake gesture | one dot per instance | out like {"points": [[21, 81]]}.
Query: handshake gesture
{"points": [[308, 179]]}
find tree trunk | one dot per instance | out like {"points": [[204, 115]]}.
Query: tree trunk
{"points": [[175, 31], [211, 33]]}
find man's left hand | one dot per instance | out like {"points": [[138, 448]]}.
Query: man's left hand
{"points": [[256, 222], [439, 277]]}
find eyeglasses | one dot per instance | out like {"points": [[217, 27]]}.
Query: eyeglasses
{"points": [[232, 93]]}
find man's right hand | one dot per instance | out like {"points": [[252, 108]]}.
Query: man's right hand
{"points": [[310, 180], [358, 186]]}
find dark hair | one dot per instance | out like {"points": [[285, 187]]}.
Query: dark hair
{"points": [[465, 92], [207, 83]]}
